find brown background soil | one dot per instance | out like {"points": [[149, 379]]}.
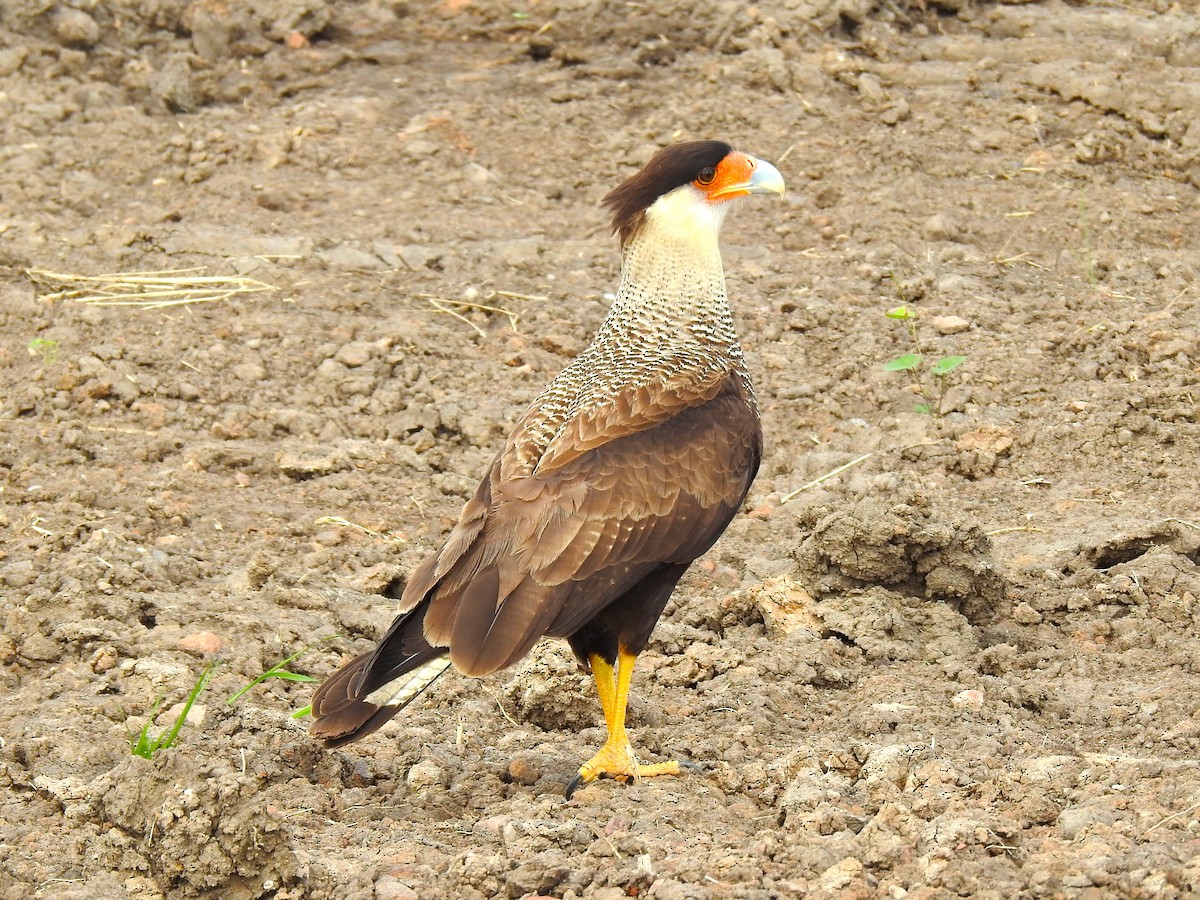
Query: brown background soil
{"points": [[167, 477]]}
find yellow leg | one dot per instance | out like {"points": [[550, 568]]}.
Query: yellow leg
{"points": [[616, 759], [605, 677]]}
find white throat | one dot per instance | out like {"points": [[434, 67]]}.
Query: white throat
{"points": [[671, 275]]}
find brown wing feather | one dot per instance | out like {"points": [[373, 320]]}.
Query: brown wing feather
{"points": [[586, 528], [629, 412]]}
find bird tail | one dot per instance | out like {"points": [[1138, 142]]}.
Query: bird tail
{"points": [[367, 691]]}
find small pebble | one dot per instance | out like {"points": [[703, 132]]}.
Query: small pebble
{"points": [[200, 642], [940, 227], [195, 715], [249, 371], [75, 28], [967, 700], [354, 354], [1024, 614], [949, 324], [425, 774], [389, 888], [11, 59], [103, 659], [523, 771]]}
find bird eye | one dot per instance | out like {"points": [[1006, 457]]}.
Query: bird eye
{"points": [[706, 176]]}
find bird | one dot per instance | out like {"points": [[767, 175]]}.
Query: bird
{"points": [[623, 471]]}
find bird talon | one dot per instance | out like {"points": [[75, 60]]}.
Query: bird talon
{"points": [[573, 785]]}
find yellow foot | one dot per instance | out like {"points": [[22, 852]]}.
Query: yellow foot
{"points": [[616, 760]]}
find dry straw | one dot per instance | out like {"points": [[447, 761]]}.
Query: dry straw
{"points": [[146, 290]]}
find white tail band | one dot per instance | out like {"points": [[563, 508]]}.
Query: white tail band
{"points": [[401, 690]]}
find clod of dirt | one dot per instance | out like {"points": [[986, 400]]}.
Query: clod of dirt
{"points": [[545, 690], [1155, 570], [904, 547], [75, 28], [198, 826], [301, 466], [884, 624]]}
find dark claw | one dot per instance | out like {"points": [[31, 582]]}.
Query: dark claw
{"points": [[692, 767], [573, 785]]}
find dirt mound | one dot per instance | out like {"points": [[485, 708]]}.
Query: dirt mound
{"points": [[905, 547], [195, 826]]}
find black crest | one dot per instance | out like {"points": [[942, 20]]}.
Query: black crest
{"points": [[670, 168]]}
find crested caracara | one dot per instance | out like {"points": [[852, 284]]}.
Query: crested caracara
{"points": [[624, 470]]}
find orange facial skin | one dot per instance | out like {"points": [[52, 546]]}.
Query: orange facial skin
{"points": [[731, 178]]}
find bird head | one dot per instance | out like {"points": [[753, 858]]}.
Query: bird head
{"points": [[689, 185]]}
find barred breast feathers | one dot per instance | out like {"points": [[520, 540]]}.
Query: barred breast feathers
{"points": [[668, 341]]}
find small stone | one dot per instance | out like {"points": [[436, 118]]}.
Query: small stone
{"points": [[11, 59], [343, 256], [354, 354], [870, 86], [195, 715], [949, 324], [840, 875], [955, 399], [786, 606], [201, 642], [1024, 614], [104, 659], [75, 28], [940, 227], [892, 763], [249, 371], [477, 174], [896, 112], [331, 368], [301, 467], [418, 148], [1074, 821], [425, 774], [967, 700], [524, 771], [389, 888]]}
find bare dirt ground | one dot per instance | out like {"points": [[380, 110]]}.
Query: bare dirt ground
{"points": [[965, 665]]}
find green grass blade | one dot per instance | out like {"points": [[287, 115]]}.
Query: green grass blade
{"points": [[168, 738], [302, 712], [900, 312], [903, 363], [291, 676], [279, 671], [276, 671], [141, 745]]}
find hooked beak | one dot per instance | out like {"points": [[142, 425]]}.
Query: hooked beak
{"points": [[760, 178], [765, 179]]}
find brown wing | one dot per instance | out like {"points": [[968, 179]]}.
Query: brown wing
{"points": [[542, 552]]}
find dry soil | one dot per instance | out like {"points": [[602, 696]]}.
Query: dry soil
{"points": [[961, 661]]}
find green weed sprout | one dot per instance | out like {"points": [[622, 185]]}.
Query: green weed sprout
{"points": [[145, 746], [914, 363], [278, 670], [45, 348]]}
